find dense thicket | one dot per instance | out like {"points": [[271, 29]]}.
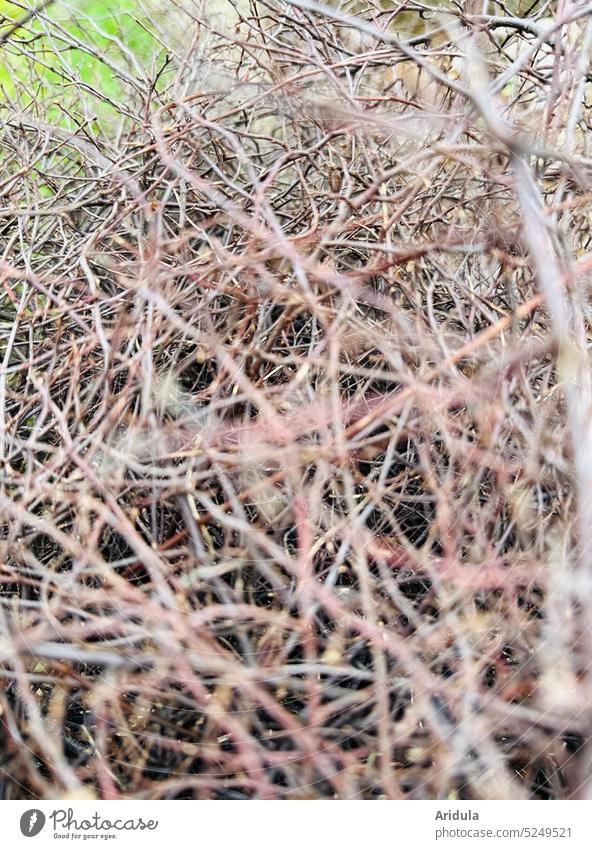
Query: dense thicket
{"points": [[295, 451]]}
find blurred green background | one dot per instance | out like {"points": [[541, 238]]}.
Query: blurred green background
{"points": [[117, 42]]}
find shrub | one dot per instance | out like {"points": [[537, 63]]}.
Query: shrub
{"points": [[294, 402]]}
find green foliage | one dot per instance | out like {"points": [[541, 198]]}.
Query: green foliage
{"points": [[99, 46]]}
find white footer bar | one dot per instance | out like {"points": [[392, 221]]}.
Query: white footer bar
{"points": [[302, 825]]}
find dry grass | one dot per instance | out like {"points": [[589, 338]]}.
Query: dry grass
{"points": [[295, 450]]}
